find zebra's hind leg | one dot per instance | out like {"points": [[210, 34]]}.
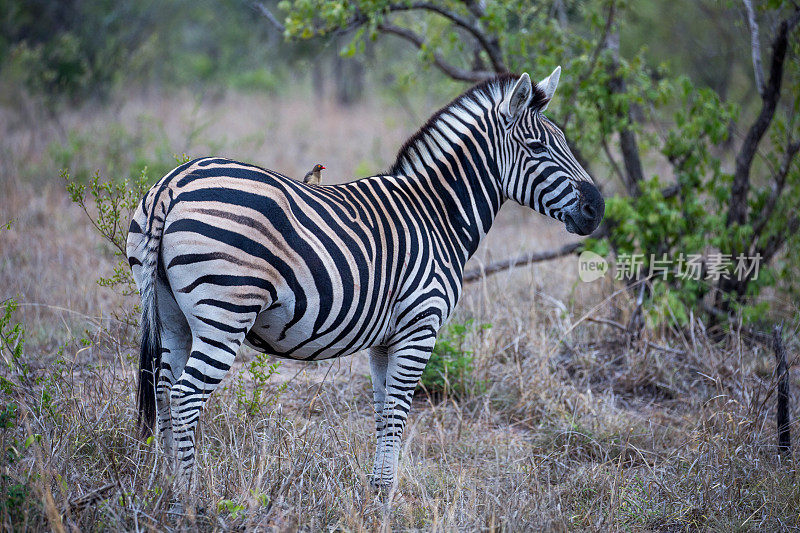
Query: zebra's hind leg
{"points": [[176, 339], [405, 362], [212, 354]]}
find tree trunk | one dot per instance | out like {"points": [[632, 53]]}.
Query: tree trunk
{"points": [[348, 76]]}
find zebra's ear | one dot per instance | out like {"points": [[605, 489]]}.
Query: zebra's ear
{"points": [[519, 97], [548, 86]]}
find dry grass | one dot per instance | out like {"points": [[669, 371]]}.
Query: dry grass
{"points": [[575, 428]]}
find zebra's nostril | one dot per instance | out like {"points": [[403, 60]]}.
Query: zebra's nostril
{"points": [[590, 209]]}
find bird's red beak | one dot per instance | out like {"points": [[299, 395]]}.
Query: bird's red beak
{"points": [[322, 168]]}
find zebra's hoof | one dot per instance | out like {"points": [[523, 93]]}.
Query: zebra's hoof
{"points": [[380, 484]]}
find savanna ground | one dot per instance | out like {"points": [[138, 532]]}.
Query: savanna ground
{"points": [[562, 424]]}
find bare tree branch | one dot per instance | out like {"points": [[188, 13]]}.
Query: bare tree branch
{"points": [[522, 260], [526, 259], [627, 137], [777, 188], [630, 156], [755, 336], [489, 44], [614, 164], [755, 46], [737, 214], [453, 71], [264, 10], [616, 325], [776, 242]]}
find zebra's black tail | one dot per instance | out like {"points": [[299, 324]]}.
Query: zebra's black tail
{"points": [[150, 351]]}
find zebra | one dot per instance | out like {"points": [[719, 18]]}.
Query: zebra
{"points": [[226, 253]]}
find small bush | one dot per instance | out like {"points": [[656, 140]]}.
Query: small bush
{"points": [[14, 492], [260, 371], [449, 371], [57, 67]]}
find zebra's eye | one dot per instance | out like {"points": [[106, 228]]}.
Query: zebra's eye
{"points": [[536, 146]]}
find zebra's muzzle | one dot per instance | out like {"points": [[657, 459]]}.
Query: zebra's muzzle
{"points": [[586, 215]]}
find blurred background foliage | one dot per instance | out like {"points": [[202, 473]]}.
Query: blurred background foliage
{"points": [[659, 100]]}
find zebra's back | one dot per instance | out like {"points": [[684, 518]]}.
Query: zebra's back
{"points": [[321, 266]]}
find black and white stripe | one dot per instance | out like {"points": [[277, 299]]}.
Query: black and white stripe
{"points": [[226, 254]]}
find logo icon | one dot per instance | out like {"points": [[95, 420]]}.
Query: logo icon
{"points": [[591, 266]]}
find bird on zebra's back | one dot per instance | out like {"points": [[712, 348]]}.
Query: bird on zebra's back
{"points": [[314, 176], [226, 253]]}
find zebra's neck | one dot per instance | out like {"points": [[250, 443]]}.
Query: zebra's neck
{"points": [[462, 205], [453, 160]]}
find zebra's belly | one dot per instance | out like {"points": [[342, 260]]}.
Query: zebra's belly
{"points": [[270, 335]]}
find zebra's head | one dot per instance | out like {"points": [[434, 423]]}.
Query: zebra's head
{"points": [[540, 170]]}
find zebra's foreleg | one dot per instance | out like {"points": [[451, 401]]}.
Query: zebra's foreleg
{"points": [[379, 362], [209, 361], [405, 363]]}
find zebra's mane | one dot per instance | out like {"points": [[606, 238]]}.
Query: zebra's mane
{"points": [[484, 94]]}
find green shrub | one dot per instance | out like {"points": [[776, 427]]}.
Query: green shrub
{"points": [[261, 372], [16, 380], [56, 67], [691, 221], [110, 206], [449, 372]]}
